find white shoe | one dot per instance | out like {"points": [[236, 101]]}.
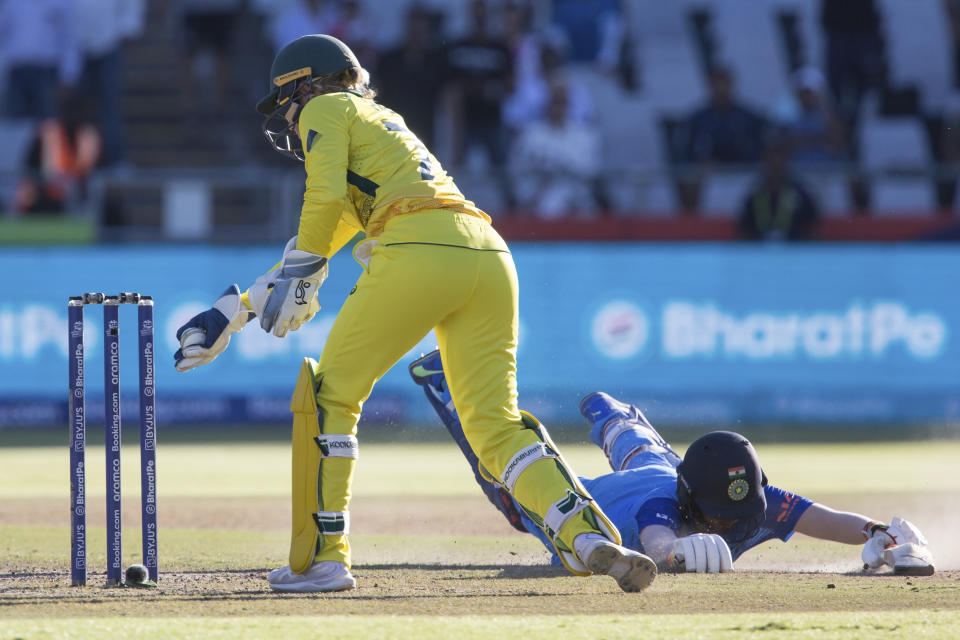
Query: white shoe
{"points": [[321, 576], [632, 570]]}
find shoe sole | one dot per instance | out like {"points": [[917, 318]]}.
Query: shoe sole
{"points": [[914, 570], [310, 587], [632, 573]]}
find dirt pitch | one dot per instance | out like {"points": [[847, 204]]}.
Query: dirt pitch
{"points": [[424, 556]]}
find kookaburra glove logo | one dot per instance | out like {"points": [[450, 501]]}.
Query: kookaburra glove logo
{"points": [[301, 293]]}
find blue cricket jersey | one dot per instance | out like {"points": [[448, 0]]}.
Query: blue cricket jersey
{"points": [[646, 494], [642, 493]]}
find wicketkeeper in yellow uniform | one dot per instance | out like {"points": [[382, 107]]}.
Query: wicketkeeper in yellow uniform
{"points": [[431, 260]]}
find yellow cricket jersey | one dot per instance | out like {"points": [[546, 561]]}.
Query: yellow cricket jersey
{"points": [[364, 168]]}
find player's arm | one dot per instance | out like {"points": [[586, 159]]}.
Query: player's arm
{"points": [[825, 523], [255, 296], [899, 544], [324, 133], [286, 297], [657, 541], [291, 290], [207, 334]]}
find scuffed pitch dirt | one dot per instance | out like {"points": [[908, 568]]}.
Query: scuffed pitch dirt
{"points": [[370, 515], [399, 589], [397, 580], [474, 516]]}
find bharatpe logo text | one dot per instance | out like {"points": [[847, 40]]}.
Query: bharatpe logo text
{"points": [[150, 472], [705, 330]]}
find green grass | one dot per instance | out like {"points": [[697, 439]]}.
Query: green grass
{"points": [[46, 230], [465, 585], [224, 549], [438, 469], [840, 625], [44, 546]]}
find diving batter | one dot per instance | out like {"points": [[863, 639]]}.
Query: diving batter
{"points": [[431, 260], [698, 513]]}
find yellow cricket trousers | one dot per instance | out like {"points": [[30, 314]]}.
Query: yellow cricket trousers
{"points": [[469, 295]]}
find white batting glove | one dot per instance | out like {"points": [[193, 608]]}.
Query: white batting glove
{"points": [[701, 553], [899, 545], [287, 297], [206, 335]]}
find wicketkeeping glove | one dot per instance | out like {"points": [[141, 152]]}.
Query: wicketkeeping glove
{"points": [[291, 297], [899, 545], [701, 553], [205, 336]]}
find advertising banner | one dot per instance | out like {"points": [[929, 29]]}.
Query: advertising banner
{"points": [[694, 333]]}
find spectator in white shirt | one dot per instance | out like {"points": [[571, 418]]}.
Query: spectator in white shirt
{"points": [[807, 123], [529, 99], [104, 27], [302, 17], [556, 162], [38, 45]]}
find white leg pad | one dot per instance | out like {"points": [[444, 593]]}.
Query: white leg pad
{"points": [[614, 430], [619, 427], [576, 500], [337, 446], [561, 511], [523, 459], [558, 515]]}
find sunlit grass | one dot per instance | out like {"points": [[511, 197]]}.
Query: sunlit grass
{"points": [[835, 625], [438, 469]]}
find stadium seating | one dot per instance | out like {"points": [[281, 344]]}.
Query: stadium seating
{"points": [[15, 137], [760, 79], [830, 190], [724, 192], [902, 196], [671, 79], [894, 144], [918, 48], [760, 40]]}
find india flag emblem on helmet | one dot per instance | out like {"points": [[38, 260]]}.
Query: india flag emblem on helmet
{"points": [[738, 489], [736, 472]]}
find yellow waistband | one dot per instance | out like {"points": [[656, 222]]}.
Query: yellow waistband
{"points": [[440, 226]]}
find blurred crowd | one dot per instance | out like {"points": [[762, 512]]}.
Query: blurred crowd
{"points": [[516, 89], [64, 75]]}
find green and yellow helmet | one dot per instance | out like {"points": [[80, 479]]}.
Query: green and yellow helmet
{"points": [[304, 58], [296, 65]]}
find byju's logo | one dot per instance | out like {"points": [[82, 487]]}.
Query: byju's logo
{"points": [[620, 330]]}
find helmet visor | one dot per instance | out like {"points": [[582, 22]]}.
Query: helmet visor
{"points": [[282, 136], [734, 531], [280, 127]]}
